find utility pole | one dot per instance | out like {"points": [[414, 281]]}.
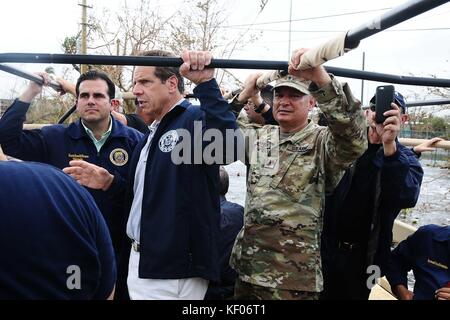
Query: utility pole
{"points": [[362, 81], [290, 24], [84, 7], [118, 47]]}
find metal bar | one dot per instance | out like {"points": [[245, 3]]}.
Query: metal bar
{"points": [[136, 61], [67, 114], [388, 19], [415, 142], [437, 102], [389, 78], [216, 63], [362, 81], [30, 76]]}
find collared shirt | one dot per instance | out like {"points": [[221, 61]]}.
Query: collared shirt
{"points": [[134, 220], [98, 143]]}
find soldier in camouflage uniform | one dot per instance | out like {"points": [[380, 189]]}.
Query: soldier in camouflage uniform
{"points": [[277, 253]]}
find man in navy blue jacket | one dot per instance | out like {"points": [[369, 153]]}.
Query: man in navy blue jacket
{"points": [[53, 239], [174, 206], [231, 222], [427, 253], [360, 213], [96, 138]]}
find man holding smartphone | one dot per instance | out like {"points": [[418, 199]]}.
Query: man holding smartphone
{"points": [[360, 213]]}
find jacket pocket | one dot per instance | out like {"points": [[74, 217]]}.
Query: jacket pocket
{"points": [[297, 177]]}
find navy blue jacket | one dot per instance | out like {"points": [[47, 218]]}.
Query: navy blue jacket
{"points": [[181, 208], [427, 253], [49, 226], [59, 144], [396, 179], [231, 222]]}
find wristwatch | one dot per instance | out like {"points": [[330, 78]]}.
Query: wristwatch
{"points": [[260, 108]]}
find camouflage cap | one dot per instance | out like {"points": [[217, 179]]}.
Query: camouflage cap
{"points": [[293, 82]]}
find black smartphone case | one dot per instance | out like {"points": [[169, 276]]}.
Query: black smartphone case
{"points": [[384, 98]]}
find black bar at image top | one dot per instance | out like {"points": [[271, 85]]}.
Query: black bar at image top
{"points": [[136, 61], [215, 63], [390, 18]]}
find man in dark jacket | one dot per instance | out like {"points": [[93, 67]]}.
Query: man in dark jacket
{"points": [[96, 138], [427, 253], [54, 242], [360, 213], [174, 205], [231, 222]]}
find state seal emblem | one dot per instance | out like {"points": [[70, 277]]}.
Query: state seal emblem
{"points": [[168, 141], [118, 157]]}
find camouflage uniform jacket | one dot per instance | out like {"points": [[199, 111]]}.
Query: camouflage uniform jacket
{"points": [[279, 246]]}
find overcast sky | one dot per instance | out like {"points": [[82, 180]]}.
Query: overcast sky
{"points": [[40, 26]]}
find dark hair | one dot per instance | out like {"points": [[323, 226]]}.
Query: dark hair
{"points": [[94, 75], [164, 73], [224, 182]]}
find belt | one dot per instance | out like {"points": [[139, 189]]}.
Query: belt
{"points": [[348, 246], [135, 245]]}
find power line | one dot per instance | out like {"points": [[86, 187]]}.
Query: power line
{"points": [[337, 31], [261, 43], [305, 19]]}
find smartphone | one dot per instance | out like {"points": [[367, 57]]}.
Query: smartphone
{"points": [[384, 97]]}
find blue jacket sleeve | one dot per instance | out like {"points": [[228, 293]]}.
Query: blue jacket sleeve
{"points": [[400, 262], [106, 259], [401, 179], [117, 190], [26, 145], [218, 115]]}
